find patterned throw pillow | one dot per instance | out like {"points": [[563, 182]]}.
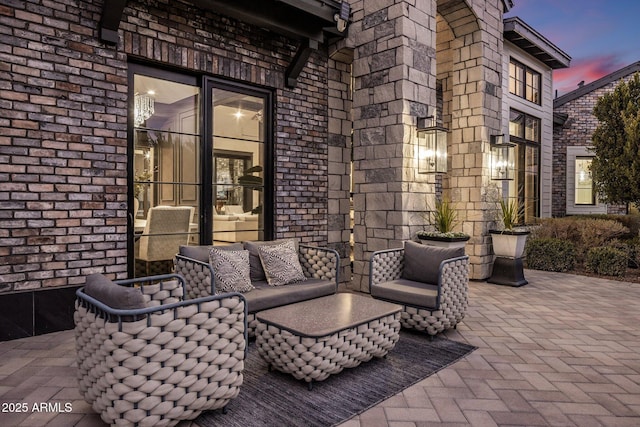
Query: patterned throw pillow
{"points": [[281, 264], [230, 270]]}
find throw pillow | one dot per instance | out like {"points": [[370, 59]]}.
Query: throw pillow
{"points": [[112, 294], [257, 272], [422, 262], [230, 270], [281, 264]]}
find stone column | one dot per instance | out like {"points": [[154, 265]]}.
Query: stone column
{"points": [[394, 83]]}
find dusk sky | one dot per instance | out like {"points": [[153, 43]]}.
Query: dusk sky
{"points": [[600, 36]]}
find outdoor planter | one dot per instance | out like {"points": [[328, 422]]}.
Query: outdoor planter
{"points": [[508, 268], [444, 241]]}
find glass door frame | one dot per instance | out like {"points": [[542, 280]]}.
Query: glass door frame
{"points": [[209, 84], [205, 84]]}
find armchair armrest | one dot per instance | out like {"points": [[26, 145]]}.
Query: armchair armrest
{"points": [[453, 284], [320, 263], [198, 276], [386, 265]]}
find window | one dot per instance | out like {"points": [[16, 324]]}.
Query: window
{"points": [[524, 131], [199, 164], [584, 193], [524, 82]]}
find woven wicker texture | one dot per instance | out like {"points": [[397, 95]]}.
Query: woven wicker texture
{"points": [[314, 359], [318, 263], [454, 291], [197, 276], [168, 366]]}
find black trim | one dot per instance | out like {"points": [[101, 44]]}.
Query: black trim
{"points": [[112, 11]]}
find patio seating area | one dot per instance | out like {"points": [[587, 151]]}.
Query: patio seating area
{"points": [[563, 350]]}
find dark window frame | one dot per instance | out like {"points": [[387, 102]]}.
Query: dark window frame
{"points": [[526, 91], [523, 144]]}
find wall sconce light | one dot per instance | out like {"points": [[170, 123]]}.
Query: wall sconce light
{"points": [[432, 146], [143, 108], [502, 165]]}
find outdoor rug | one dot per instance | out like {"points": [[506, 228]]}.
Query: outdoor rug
{"points": [[275, 399]]}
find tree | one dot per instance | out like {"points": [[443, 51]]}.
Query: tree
{"points": [[616, 142]]}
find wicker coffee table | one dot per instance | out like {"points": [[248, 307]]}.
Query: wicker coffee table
{"points": [[316, 338]]}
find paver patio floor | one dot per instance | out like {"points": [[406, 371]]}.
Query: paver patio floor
{"points": [[561, 351]]}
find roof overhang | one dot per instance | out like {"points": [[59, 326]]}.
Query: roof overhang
{"points": [[526, 38], [311, 22], [318, 20]]}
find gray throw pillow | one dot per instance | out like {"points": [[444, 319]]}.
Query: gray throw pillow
{"points": [[201, 253], [112, 294], [230, 270], [257, 272], [422, 262], [281, 264]]}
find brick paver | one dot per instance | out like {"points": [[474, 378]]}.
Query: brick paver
{"points": [[561, 351]]}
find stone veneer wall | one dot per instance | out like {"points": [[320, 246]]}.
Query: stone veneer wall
{"points": [[63, 127], [576, 132], [339, 138], [395, 73]]}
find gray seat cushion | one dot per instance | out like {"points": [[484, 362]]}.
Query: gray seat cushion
{"points": [[422, 262], [408, 292], [265, 296], [112, 294]]}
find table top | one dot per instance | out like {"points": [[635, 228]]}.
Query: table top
{"points": [[327, 315]]}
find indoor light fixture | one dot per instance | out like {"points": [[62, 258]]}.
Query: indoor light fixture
{"points": [[432, 145], [144, 107]]}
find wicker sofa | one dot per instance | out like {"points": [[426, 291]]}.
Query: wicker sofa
{"points": [[146, 357], [319, 265], [430, 283]]}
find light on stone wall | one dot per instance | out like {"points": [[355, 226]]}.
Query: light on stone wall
{"points": [[432, 146], [502, 166]]}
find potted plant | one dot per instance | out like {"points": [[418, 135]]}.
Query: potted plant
{"points": [[508, 245], [444, 219], [509, 241]]}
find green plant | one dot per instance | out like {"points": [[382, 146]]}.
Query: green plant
{"points": [[444, 218], [510, 213], [550, 254], [606, 260]]}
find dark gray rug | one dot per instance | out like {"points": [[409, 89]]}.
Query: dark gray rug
{"points": [[275, 399]]}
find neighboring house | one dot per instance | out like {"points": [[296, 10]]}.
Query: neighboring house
{"points": [[527, 113], [261, 120], [574, 124]]}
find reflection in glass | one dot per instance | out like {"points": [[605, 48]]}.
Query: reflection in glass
{"points": [[238, 180], [166, 171], [584, 194]]}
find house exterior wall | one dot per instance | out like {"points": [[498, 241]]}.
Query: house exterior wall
{"points": [[63, 127], [544, 112], [574, 138], [395, 72]]}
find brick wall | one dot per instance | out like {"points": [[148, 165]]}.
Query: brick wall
{"points": [[63, 127], [576, 131]]}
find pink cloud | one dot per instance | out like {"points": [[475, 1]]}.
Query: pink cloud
{"points": [[587, 70]]}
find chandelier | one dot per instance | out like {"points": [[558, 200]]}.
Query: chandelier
{"points": [[143, 108]]}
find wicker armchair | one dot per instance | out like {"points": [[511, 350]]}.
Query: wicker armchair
{"points": [[145, 357], [431, 306]]}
